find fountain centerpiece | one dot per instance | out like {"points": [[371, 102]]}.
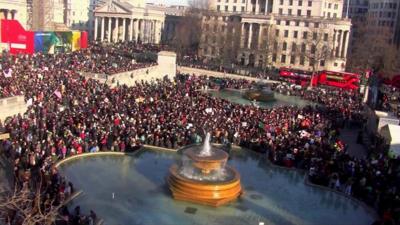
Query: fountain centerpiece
{"points": [[202, 176], [260, 93]]}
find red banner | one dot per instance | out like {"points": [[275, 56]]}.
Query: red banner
{"points": [[19, 40], [84, 39]]}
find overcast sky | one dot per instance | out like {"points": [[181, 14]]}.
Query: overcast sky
{"points": [[169, 2]]}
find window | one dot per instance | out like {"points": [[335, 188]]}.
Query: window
{"points": [[313, 49], [335, 6], [281, 2], [277, 33], [290, 2], [234, 8], [309, 3], [299, 12], [297, 23], [312, 62], [316, 25], [329, 5], [274, 57], [305, 34], [302, 60], [242, 9], [294, 47], [314, 35], [283, 59], [335, 64], [286, 33], [308, 13], [329, 15], [325, 37], [280, 11], [300, 2], [295, 34], [289, 12], [322, 63], [218, 8], [284, 46], [306, 23], [303, 48], [292, 59], [226, 8], [334, 15], [278, 22], [287, 22]]}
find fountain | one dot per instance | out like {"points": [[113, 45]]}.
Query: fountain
{"points": [[259, 93], [203, 177]]}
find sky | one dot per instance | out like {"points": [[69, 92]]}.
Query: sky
{"points": [[169, 2]]}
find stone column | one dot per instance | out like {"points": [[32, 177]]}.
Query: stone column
{"points": [[109, 29], [334, 43], [260, 39], [116, 29], [242, 36], [131, 30], [123, 28], [95, 28], [337, 50], [250, 35], [136, 29], [257, 7], [344, 44], [102, 29]]}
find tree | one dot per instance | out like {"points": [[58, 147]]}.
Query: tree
{"points": [[26, 207], [270, 45], [372, 50], [228, 40], [317, 47], [188, 31]]}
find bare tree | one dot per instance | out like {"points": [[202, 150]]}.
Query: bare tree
{"points": [[26, 207], [317, 47], [199, 5], [372, 49], [270, 45]]}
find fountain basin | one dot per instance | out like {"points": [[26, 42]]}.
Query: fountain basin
{"points": [[204, 192], [207, 163], [259, 95]]}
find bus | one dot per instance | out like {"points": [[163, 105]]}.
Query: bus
{"points": [[329, 78], [295, 76], [339, 79]]}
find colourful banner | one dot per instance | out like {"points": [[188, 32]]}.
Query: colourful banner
{"points": [[76, 40], [18, 39]]}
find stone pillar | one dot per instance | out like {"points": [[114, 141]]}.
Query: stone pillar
{"points": [[257, 7], [136, 30], [116, 29], [334, 43], [102, 28], [123, 28], [109, 29], [339, 37], [344, 44], [250, 35], [260, 39], [96, 24], [242, 36], [131, 30]]}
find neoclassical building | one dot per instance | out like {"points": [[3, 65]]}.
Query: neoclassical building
{"points": [[279, 33], [129, 20]]}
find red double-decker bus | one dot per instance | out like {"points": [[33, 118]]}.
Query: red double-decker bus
{"points": [[339, 79], [329, 78], [295, 76]]}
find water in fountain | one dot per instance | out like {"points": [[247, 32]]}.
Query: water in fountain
{"points": [[206, 151]]}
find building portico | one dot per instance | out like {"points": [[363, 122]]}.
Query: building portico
{"points": [[120, 21]]}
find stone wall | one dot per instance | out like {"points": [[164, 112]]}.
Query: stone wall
{"points": [[199, 72], [11, 106]]}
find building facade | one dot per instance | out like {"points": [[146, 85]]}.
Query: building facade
{"points": [[134, 21], [303, 34], [15, 10], [385, 14]]}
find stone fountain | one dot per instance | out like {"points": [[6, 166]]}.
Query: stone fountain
{"points": [[202, 176]]}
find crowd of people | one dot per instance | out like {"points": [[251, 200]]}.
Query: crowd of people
{"points": [[69, 115]]}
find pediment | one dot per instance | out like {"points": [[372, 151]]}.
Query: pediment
{"points": [[112, 7]]}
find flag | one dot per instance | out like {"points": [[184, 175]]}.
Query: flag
{"points": [[58, 94], [8, 74]]}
